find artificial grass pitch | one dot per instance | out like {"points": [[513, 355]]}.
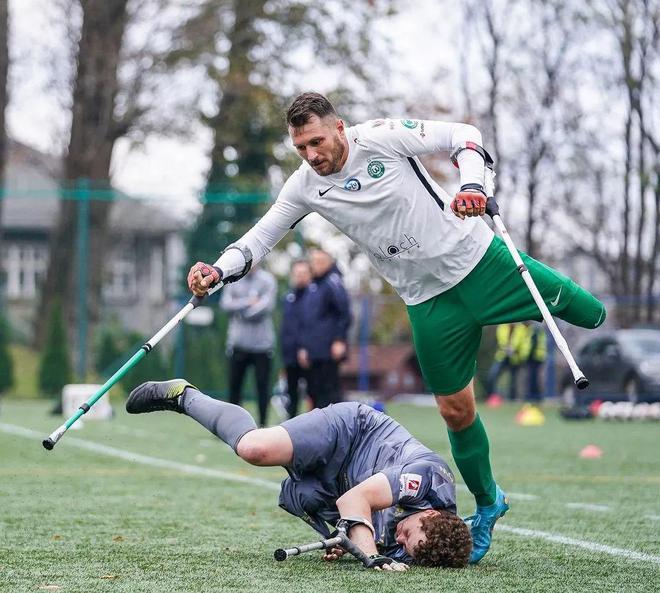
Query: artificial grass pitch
{"points": [[79, 519]]}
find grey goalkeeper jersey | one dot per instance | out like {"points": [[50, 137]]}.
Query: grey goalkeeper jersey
{"points": [[338, 447], [387, 203]]}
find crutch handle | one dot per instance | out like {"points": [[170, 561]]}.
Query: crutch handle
{"points": [[492, 209]]}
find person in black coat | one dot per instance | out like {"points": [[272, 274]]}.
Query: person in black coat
{"points": [[291, 330], [326, 317]]}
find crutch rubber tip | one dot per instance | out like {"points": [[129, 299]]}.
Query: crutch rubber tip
{"points": [[48, 443], [280, 555], [582, 383]]}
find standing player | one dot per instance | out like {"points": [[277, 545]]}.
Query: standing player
{"points": [[345, 461], [452, 272]]}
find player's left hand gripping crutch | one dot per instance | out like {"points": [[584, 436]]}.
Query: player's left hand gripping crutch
{"points": [[194, 302], [492, 209]]}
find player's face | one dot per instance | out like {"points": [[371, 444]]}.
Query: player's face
{"points": [[322, 143], [301, 275], [409, 532]]}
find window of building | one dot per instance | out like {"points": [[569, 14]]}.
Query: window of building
{"points": [[121, 280], [24, 266]]}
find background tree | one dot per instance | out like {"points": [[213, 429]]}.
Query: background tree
{"points": [[55, 366], [94, 131], [4, 69], [6, 362], [116, 87], [251, 50], [619, 235]]}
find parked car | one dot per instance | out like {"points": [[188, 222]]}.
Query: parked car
{"points": [[621, 365]]}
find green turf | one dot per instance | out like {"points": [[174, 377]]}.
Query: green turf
{"points": [[74, 520]]}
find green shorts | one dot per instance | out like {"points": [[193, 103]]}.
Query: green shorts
{"points": [[447, 328]]}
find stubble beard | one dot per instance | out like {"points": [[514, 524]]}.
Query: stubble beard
{"points": [[337, 155]]}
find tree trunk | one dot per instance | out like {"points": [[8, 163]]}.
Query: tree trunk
{"points": [[4, 68], [653, 262], [623, 289], [93, 133]]}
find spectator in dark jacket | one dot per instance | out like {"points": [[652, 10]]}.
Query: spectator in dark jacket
{"points": [[291, 330], [326, 319]]}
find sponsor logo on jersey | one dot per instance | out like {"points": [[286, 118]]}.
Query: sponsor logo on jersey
{"points": [[421, 130], [396, 249], [353, 184], [446, 473], [409, 484], [410, 123], [377, 122], [376, 169]]}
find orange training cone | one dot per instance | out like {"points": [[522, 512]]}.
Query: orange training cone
{"points": [[591, 452]]}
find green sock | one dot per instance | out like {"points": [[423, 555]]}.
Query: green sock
{"points": [[470, 450]]}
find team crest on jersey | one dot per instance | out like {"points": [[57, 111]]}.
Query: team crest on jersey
{"points": [[353, 184], [409, 484], [410, 123], [376, 169]]}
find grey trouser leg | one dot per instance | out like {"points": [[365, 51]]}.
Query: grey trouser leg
{"points": [[226, 421]]}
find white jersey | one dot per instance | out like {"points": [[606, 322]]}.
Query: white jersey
{"points": [[387, 203]]}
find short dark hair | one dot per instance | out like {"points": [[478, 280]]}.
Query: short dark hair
{"points": [[305, 105], [448, 541]]}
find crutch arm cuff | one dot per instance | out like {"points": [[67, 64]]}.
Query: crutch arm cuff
{"points": [[488, 160]]}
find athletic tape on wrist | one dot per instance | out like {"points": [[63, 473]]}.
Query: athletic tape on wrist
{"points": [[475, 186]]}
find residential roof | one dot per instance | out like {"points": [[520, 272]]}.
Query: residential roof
{"points": [[32, 198]]}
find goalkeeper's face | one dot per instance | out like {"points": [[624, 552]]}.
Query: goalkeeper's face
{"points": [[410, 533], [435, 538], [322, 143]]}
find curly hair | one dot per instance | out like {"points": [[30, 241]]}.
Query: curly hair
{"points": [[448, 541]]}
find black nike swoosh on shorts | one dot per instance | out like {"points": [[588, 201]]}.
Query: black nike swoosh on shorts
{"points": [[322, 193]]}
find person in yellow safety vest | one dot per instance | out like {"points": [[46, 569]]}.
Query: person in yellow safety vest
{"points": [[512, 345], [535, 354]]}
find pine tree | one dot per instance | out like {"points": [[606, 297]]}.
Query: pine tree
{"points": [[108, 352], [6, 362], [55, 367], [152, 367]]}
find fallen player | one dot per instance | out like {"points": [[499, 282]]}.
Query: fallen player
{"points": [[346, 461]]}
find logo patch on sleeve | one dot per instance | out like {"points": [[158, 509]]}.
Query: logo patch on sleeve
{"points": [[409, 484]]}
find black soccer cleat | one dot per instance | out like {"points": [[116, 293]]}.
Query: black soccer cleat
{"points": [[157, 395]]}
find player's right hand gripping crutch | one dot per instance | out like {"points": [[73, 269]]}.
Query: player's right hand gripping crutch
{"points": [[493, 211]]}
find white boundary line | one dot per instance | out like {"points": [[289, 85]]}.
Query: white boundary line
{"points": [[599, 508], [144, 459], [570, 541], [215, 473]]}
